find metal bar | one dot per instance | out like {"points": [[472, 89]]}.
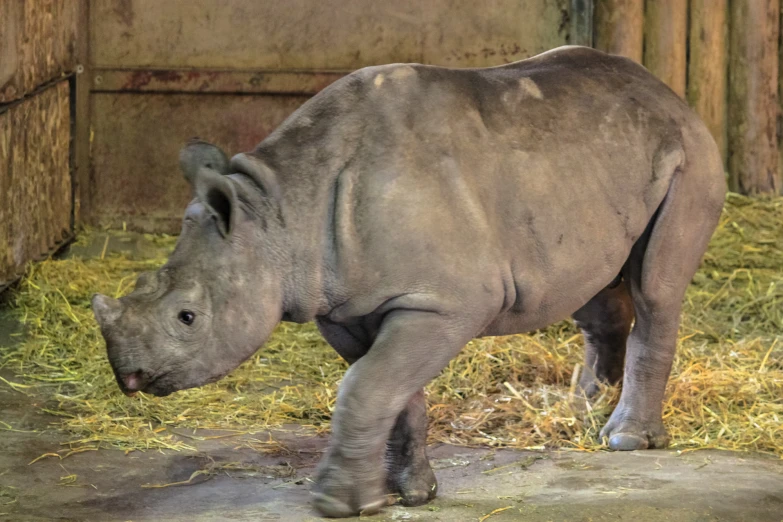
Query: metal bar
{"points": [[81, 146], [581, 23], [211, 81]]}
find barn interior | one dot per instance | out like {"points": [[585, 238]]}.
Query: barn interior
{"points": [[96, 99]]}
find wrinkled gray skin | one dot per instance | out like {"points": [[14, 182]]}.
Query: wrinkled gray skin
{"points": [[407, 209]]}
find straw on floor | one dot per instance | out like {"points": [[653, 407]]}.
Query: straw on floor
{"points": [[726, 388]]}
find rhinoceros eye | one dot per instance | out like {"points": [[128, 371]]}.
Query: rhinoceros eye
{"points": [[186, 317]]}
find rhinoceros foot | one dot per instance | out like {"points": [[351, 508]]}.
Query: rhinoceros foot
{"points": [[629, 435], [414, 485], [347, 487]]}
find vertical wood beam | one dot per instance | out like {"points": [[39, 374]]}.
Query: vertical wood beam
{"points": [[665, 36], [707, 62], [753, 97], [619, 27]]}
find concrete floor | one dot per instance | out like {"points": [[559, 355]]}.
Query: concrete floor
{"points": [[514, 485], [534, 486]]}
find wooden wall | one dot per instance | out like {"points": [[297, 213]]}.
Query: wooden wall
{"points": [[37, 44], [162, 72], [35, 184], [156, 73], [38, 41], [721, 55]]}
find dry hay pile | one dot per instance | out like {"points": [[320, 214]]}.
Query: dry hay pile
{"points": [[726, 389]]}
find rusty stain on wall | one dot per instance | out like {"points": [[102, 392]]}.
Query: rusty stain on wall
{"points": [[211, 81]]}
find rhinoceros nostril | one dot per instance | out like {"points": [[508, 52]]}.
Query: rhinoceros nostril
{"points": [[132, 381]]}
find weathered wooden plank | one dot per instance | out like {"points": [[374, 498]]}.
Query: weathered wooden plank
{"points": [[619, 27], [37, 44], [780, 103], [665, 36], [137, 137], [753, 101], [320, 35], [707, 65], [35, 181]]}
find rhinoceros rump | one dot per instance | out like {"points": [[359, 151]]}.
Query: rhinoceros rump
{"points": [[407, 209]]}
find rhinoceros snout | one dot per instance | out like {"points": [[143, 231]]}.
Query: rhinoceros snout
{"points": [[130, 382]]}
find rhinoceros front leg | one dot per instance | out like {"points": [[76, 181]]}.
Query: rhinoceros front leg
{"points": [[410, 349], [409, 474]]}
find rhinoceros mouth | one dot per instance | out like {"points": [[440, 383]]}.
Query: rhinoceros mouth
{"points": [[151, 384], [159, 386], [160, 391]]}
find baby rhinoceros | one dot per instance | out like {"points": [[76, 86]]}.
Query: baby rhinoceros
{"points": [[408, 209]]}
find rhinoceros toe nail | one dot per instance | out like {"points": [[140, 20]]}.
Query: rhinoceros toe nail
{"points": [[329, 506], [373, 507], [627, 442], [416, 498]]}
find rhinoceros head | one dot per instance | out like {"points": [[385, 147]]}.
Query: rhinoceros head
{"points": [[217, 298]]}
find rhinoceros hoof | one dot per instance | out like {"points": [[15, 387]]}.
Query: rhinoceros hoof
{"points": [[341, 490], [628, 442], [629, 436], [589, 389], [416, 497], [412, 480], [418, 491]]}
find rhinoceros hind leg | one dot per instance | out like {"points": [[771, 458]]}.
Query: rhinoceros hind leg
{"points": [[605, 322], [409, 473], [659, 270]]}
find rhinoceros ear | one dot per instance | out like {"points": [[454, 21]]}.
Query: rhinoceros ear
{"points": [[252, 166], [197, 154], [218, 195]]}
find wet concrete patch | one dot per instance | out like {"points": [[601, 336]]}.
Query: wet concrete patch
{"points": [[628, 482]]}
